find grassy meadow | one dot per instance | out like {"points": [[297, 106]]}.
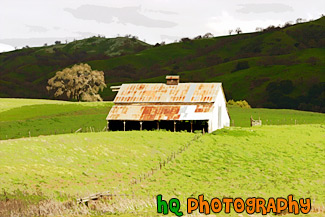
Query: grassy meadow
{"points": [[24, 118], [81, 164], [43, 175], [240, 117], [267, 161], [240, 162]]}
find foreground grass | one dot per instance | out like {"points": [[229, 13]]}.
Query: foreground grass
{"points": [[267, 161], [81, 164]]}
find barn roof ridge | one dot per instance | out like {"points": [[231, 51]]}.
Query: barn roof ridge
{"points": [[175, 85], [160, 92]]}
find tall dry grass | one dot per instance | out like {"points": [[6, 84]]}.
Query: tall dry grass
{"points": [[115, 205], [51, 207]]}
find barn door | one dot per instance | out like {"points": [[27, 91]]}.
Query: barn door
{"points": [[219, 117]]}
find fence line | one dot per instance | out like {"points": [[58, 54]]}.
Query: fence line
{"points": [[162, 164], [142, 176]]}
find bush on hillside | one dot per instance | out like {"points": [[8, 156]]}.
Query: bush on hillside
{"points": [[277, 93], [283, 87], [313, 61], [239, 103], [185, 40], [241, 65]]}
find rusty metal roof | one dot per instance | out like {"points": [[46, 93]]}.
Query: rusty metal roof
{"points": [[183, 92], [160, 112]]}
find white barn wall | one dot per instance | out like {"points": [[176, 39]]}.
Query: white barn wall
{"points": [[214, 120]]}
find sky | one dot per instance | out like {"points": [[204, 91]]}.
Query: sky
{"points": [[36, 22]]}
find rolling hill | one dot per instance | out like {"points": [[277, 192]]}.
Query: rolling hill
{"points": [[24, 73], [274, 68], [44, 172], [268, 161]]}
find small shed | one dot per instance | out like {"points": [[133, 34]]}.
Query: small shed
{"points": [[173, 106]]}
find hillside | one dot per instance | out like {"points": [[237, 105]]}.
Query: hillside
{"points": [[24, 73], [275, 68]]}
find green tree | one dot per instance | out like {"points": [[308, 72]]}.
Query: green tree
{"points": [[79, 82]]}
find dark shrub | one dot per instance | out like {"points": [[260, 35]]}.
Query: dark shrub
{"points": [[185, 40], [241, 66], [286, 86]]}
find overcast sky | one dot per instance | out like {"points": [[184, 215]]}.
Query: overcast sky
{"points": [[35, 22]]}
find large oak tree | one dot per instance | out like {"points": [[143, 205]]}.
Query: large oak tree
{"points": [[79, 82]]}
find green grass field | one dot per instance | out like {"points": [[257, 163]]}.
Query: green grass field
{"points": [[23, 118], [237, 162], [267, 161], [10, 103], [276, 159], [81, 164], [240, 117], [261, 161]]}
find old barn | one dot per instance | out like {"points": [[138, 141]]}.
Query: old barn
{"points": [[172, 106]]}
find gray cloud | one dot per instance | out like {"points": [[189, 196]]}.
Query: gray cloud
{"points": [[169, 37], [163, 12], [125, 15], [36, 28], [264, 8], [86, 34], [21, 42]]}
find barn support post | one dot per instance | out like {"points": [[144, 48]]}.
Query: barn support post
{"points": [[174, 126], [140, 125], [191, 126], [107, 129], [203, 130], [157, 125], [124, 125]]}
